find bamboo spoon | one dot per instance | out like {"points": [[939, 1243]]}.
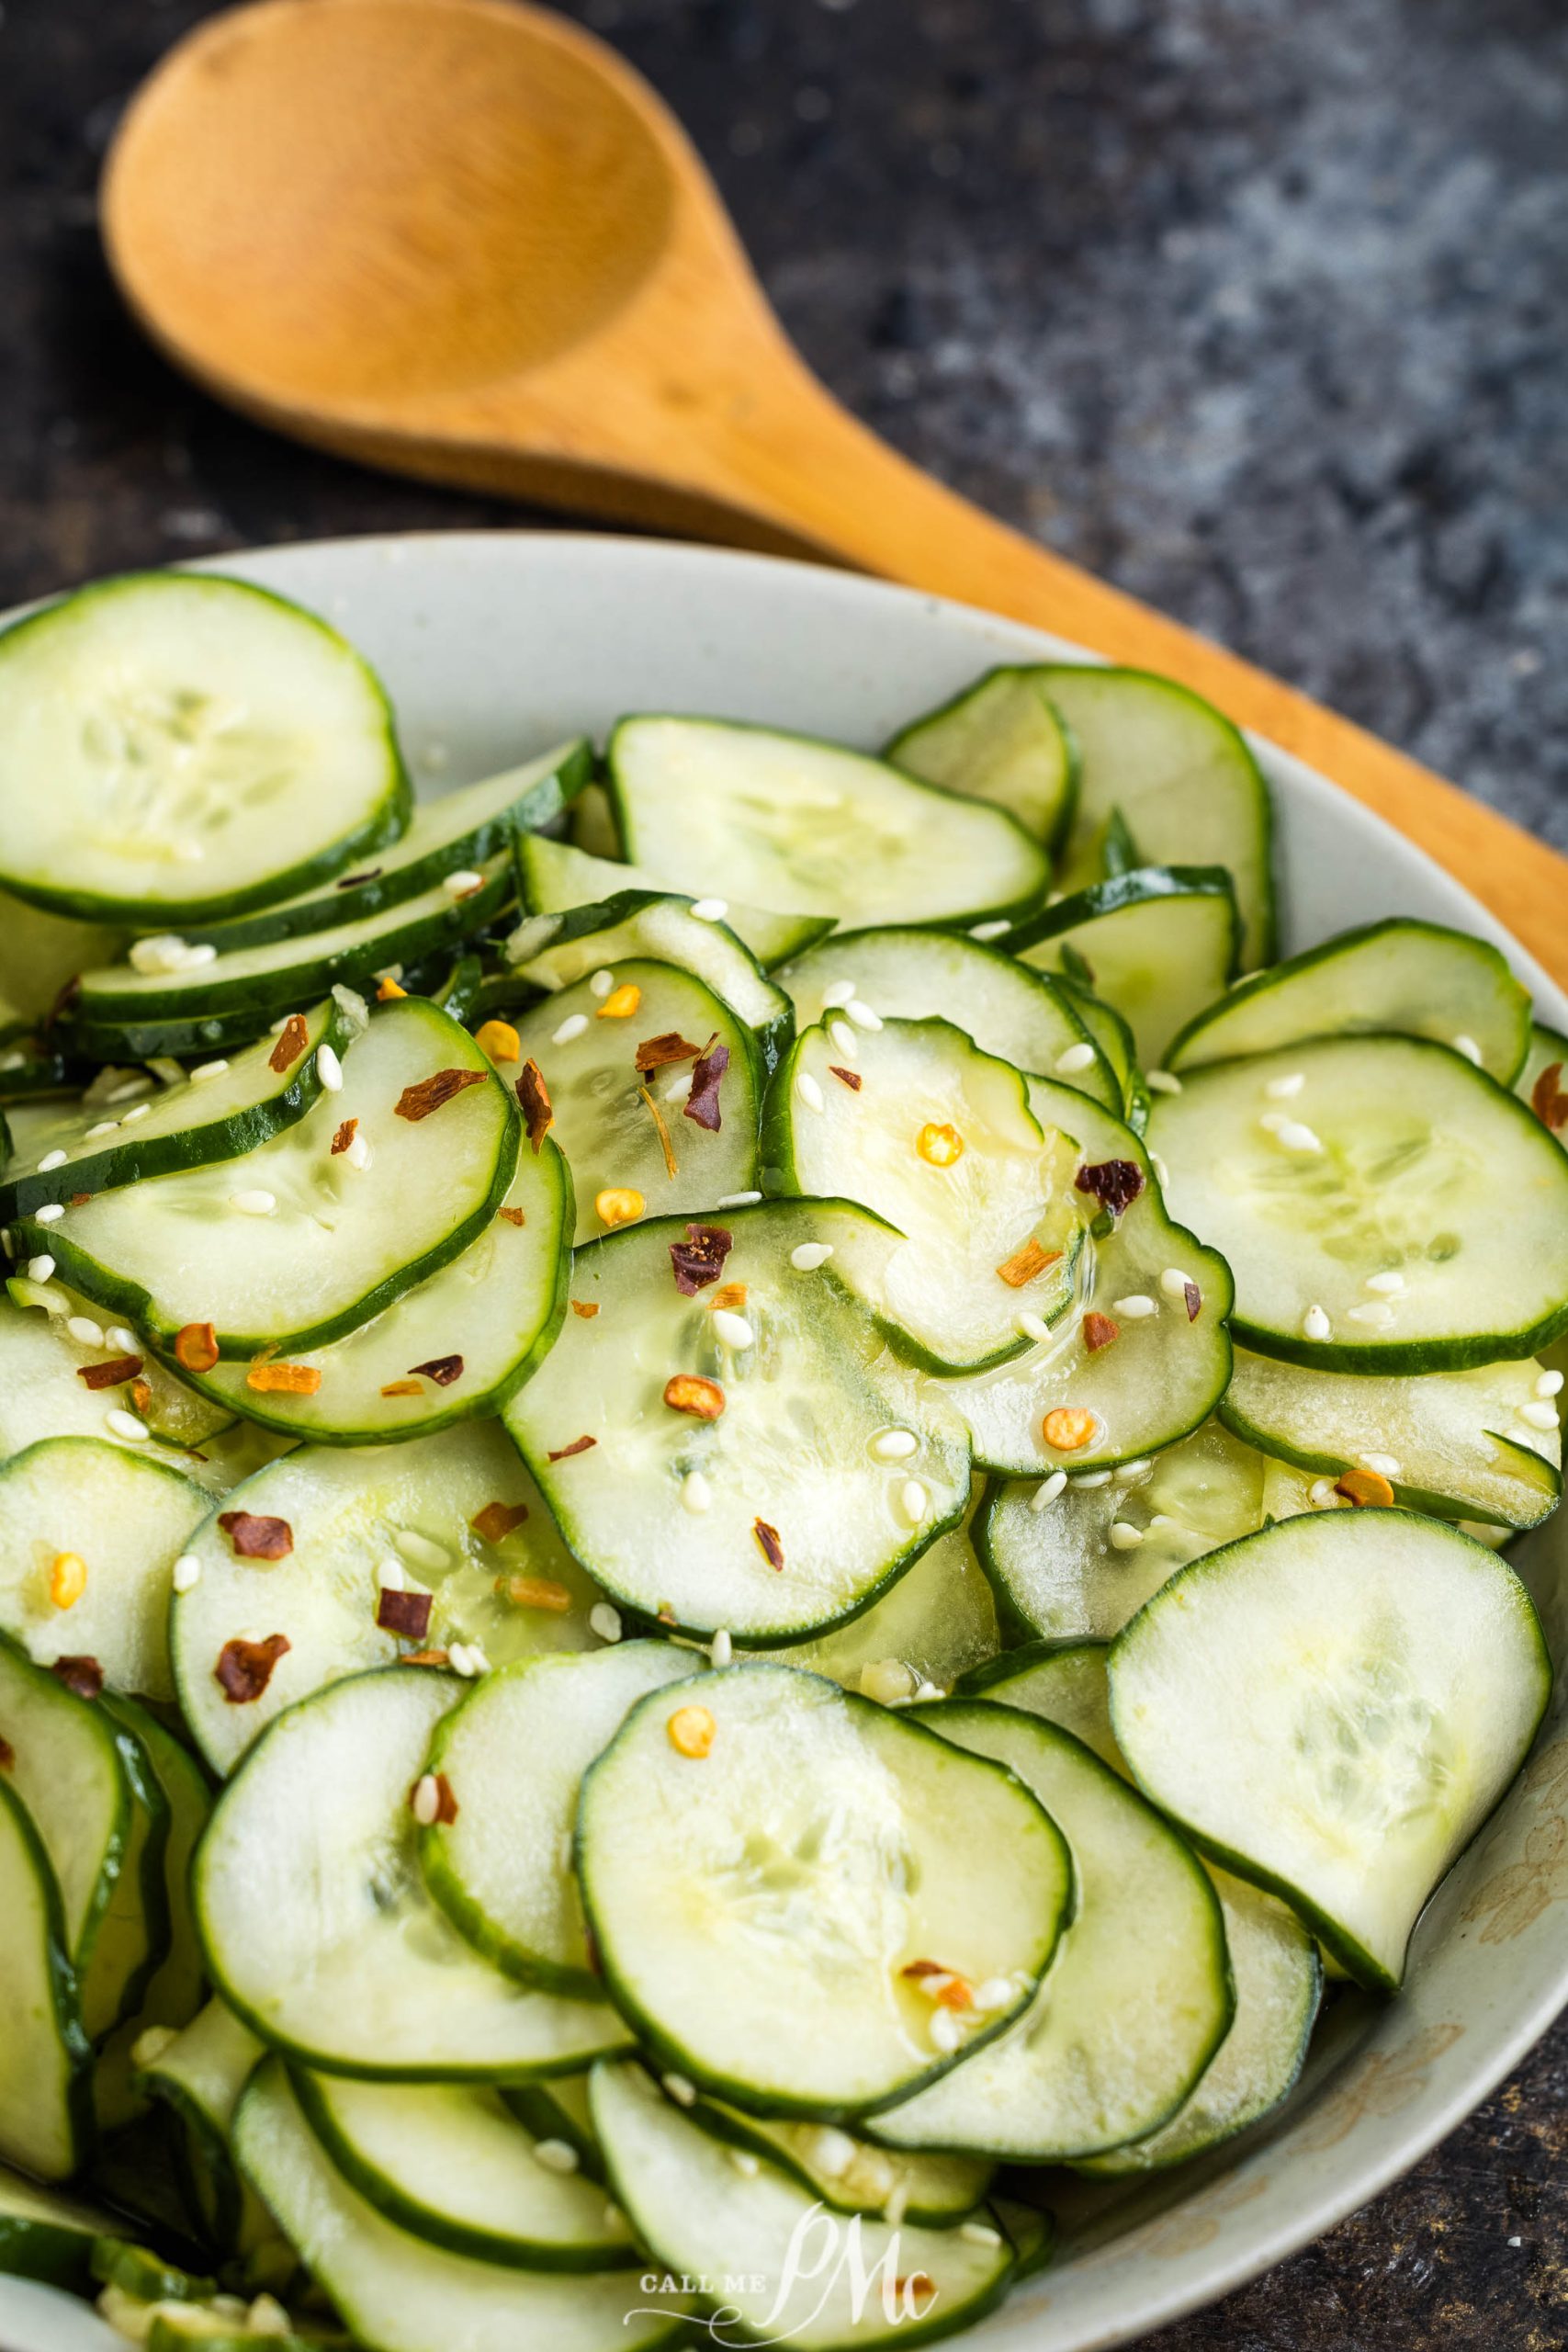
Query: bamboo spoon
{"points": [[463, 239]]}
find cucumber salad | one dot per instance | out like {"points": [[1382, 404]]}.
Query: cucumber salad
{"points": [[751, 1494]]}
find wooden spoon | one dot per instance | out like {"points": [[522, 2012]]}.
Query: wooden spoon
{"points": [[462, 239]]}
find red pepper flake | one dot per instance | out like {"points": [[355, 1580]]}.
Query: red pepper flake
{"points": [[283, 1379], [418, 1102], [1365, 1488], [1114, 1183], [688, 1392], [140, 1395], [83, 1675], [702, 1103], [732, 1295], [80, 1200], [112, 1374], [292, 1040], [403, 1388], [587, 1307], [699, 1259], [422, 1657], [655, 1053], [196, 1346], [578, 1445], [406, 1614], [344, 1136], [348, 881], [1025, 1264], [768, 1543], [1099, 1330], [445, 1802], [1547, 1099], [256, 1537], [511, 1217], [534, 1096], [1195, 1298], [443, 1370], [8, 1755], [850, 1078], [244, 1668], [497, 1521]]}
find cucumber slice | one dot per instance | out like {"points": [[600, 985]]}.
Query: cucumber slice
{"points": [[397, 1518], [460, 832], [318, 1931], [1396, 1673], [770, 1964], [1113, 1038], [937, 1139], [780, 1518], [1158, 944], [591, 825], [199, 2075], [1077, 1563], [39, 953], [452, 2165], [1015, 1013], [399, 2292], [549, 951], [1140, 1997], [1185, 781], [1539, 1082], [497, 1308], [42, 1393], [937, 1620], [132, 1938], [802, 826], [35, 2318], [126, 1517], [45, 2088], [515, 1753], [131, 1013], [190, 746], [196, 1121], [1164, 1370], [743, 2236], [1389, 1157], [1065, 1681], [553, 877], [1000, 740], [622, 1129], [1420, 979], [173, 1994], [557, 2109], [341, 1241], [854, 2175], [45, 2235], [1460, 1445]]}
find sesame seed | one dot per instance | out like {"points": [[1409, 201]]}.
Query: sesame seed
{"points": [[162, 954], [1383, 1465], [996, 1992], [329, 1069], [605, 1621], [103, 1127], [837, 994], [1127, 1471], [121, 1423], [205, 1071], [887, 1680], [427, 1800], [1317, 1325], [1284, 1090], [863, 1015], [1091, 1478], [945, 2031], [1469, 1048], [710, 910], [50, 1161], [254, 1202], [1162, 1173], [979, 2233], [40, 1268], [555, 2155], [914, 1502], [468, 1659], [1074, 1059], [82, 1329], [895, 1445], [1389, 1282], [1135, 1305], [745, 2163], [1173, 1282], [358, 1153], [1320, 1494], [1124, 1537], [1549, 1385], [997, 929], [677, 1092], [420, 1551], [1294, 1137], [186, 1572], [808, 1255], [137, 1111], [697, 1494], [832, 2151], [1272, 1120], [1163, 1082], [1046, 1492], [730, 1329], [128, 1092], [196, 957], [601, 982], [1032, 1327], [117, 1336], [845, 1042], [721, 1649], [50, 1214], [1541, 1416], [810, 1093], [1377, 1315], [682, 2092], [572, 1026], [738, 1201], [462, 884], [898, 2200]]}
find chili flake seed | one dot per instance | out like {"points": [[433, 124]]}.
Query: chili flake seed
{"points": [[1548, 1100], [1026, 1264], [244, 1668], [113, 1374], [699, 1259], [344, 1136], [535, 1592], [402, 1388], [498, 1521], [442, 1370], [292, 1040], [938, 1144], [702, 1105], [688, 1392], [1364, 1489], [657, 1053], [1099, 1330], [578, 1445], [587, 1307], [534, 1095], [388, 991], [283, 1379], [407, 1614], [619, 1204], [424, 1658], [768, 1544], [67, 1580], [196, 1346], [730, 1295], [140, 1395], [621, 1003], [256, 1537], [83, 1677], [1069, 1428], [1114, 1183], [498, 1041], [511, 1217], [419, 1100], [692, 1731], [432, 1803]]}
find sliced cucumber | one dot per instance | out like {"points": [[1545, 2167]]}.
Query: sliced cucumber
{"points": [[46, 1343], [199, 2075], [1344, 1162], [173, 1994], [132, 1936], [1539, 1082], [775, 1872], [1396, 1676], [296, 1243], [1000, 739], [317, 1928], [937, 1620], [744, 2235], [1140, 1996], [451, 2164], [628, 1129], [448, 837], [591, 825], [40, 952], [1077, 1562], [1417, 979], [548, 953], [790, 822], [854, 2175], [938, 1140], [121, 1011], [396, 1519], [36, 2318], [1113, 1038], [1184, 780], [1158, 944], [45, 2089], [557, 2109], [497, 1309], [403, 2294], [1065, 1681], [46, 2236], [1019, 1015], [126, 1518], [1462, 1444], [197, 1120], [554, 876], [1164, 1371], [187, 746], [799, 1503]]}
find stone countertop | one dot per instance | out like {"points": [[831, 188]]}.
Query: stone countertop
{"points": [[1261, 310]]}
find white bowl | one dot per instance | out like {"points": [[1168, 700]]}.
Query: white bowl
{"points": [[495, 645]]}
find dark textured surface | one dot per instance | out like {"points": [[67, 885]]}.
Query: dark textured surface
{"points": [[1259, 307]]}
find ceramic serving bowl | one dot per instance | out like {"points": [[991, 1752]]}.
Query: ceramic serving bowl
{"points": [[496, 645]]}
